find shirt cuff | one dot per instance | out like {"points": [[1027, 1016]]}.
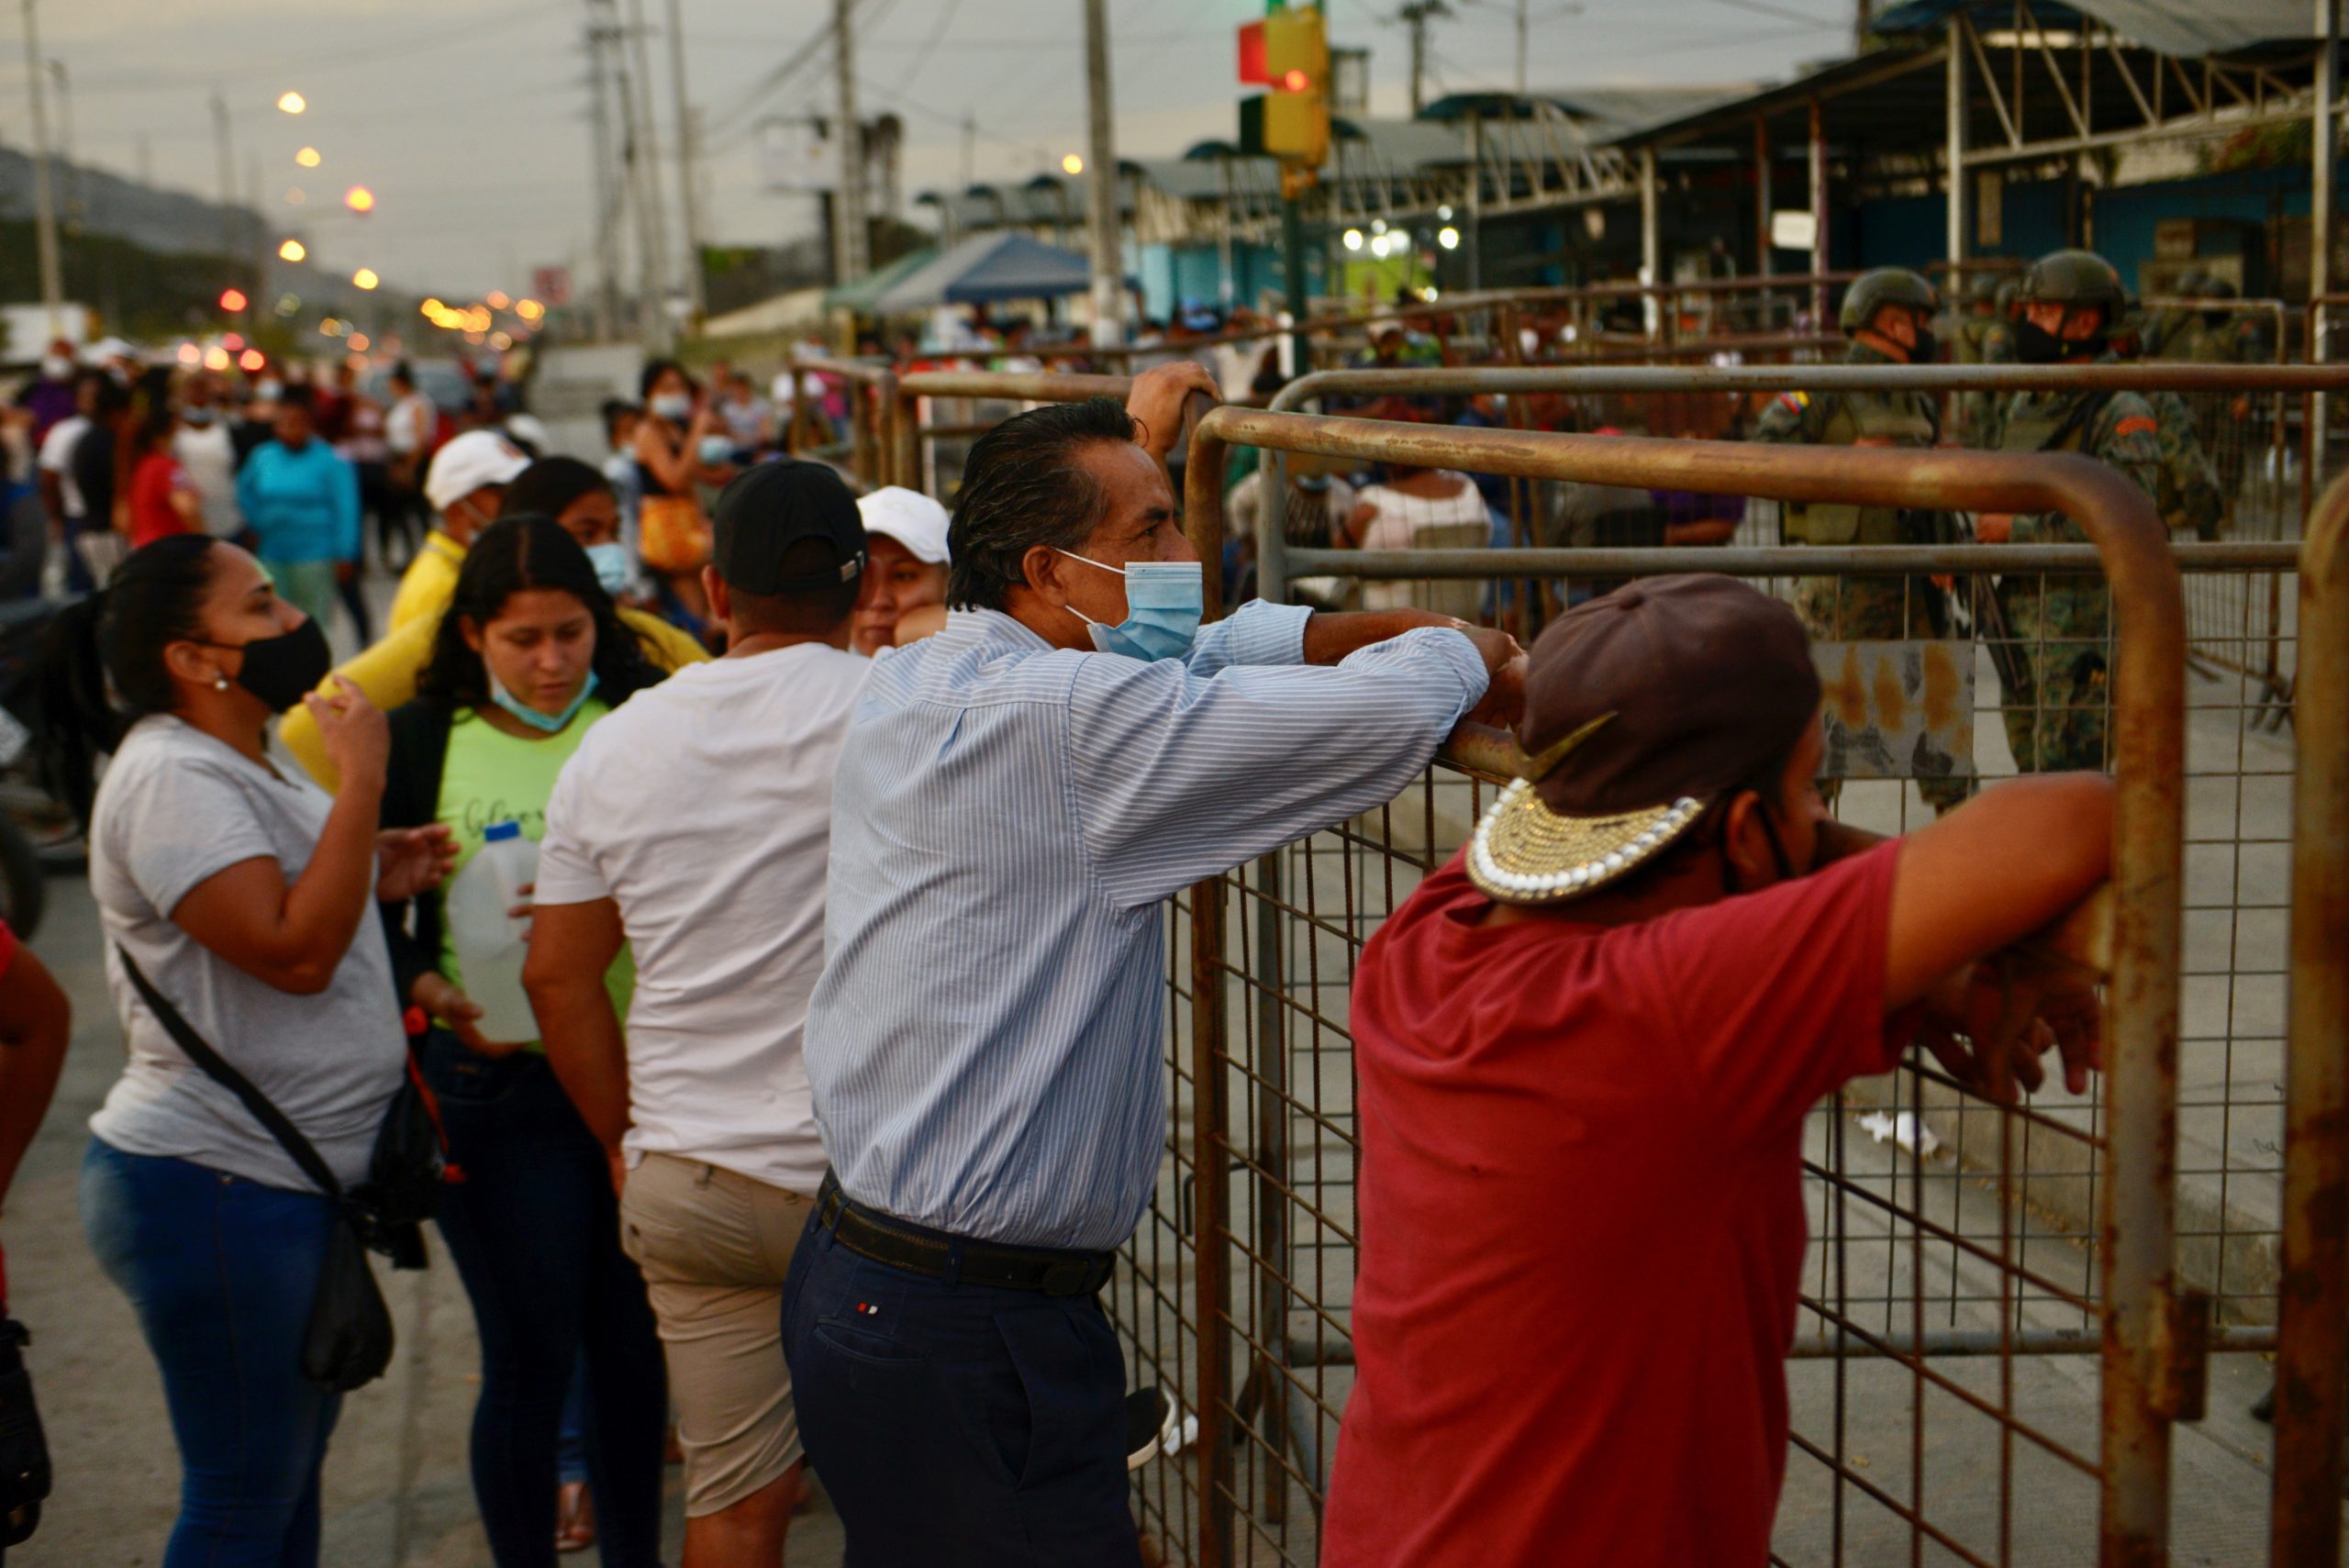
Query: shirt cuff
{"points": [[1260, 633]]}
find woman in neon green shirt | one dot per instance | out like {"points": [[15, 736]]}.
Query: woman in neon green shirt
{"points": [[528, 656]]}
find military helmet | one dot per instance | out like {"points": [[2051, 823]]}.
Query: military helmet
{"points": [[1981, 288], [1871, 291], [2216, 287], [2009, 290], [2080, 278], [2192, 284]]}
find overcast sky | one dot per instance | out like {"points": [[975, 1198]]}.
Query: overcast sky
{"points": [[467, 117]]}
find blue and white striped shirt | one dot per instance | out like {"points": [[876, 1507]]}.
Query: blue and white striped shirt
{"points": [[1008, 820]]}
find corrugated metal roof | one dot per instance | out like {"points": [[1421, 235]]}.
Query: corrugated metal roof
{"points": [[2187, 28], [986, 268], [1603, 112]]}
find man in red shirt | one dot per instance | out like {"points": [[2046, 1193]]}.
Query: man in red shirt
{"points": [[1586, 1048]]}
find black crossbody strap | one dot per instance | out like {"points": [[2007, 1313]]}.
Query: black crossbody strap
{"points": [[218, 1071]]}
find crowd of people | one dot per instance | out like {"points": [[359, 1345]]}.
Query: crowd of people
{"points": [[756, 892]]}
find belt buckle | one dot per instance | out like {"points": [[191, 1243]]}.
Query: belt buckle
{"points": [[1071, 1277]]}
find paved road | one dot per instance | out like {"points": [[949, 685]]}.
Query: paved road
{"points": [[396, 1489]]}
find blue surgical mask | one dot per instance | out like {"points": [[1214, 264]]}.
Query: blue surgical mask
{"points": [[552, 723], [613, 568], [1164, 600], [716, 449], [197, 417], [672, 406]]}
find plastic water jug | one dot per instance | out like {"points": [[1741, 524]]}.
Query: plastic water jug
{"points": [[490, 942]]}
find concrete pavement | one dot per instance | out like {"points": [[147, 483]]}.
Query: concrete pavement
{"points": [[397, 1492]]}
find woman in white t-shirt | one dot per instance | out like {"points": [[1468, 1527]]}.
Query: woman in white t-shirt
{"points": [[246, 897], [201, 442], [1419, 508]]}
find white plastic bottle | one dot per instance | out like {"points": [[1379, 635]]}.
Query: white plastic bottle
{"points": [[491, 943]]}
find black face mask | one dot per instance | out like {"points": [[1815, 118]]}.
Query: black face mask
{"points": [[2034, 344], [279, 669], [1926, 349], [1730, 878]]}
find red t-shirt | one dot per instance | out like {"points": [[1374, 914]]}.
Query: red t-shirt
{"points": [[1582, 1220], [151, 516]]}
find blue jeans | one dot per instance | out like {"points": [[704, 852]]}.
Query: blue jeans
{"points": [[534, 1230], [221, 1272], [957, 1424]]}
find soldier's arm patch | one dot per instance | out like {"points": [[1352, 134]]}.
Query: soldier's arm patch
{"points": [[1796, 401], [2137, 424]]}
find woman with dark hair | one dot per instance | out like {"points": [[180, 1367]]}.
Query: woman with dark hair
{"points": [[680, 444], [578, 496], [302, 503], [530, 654], [162, 500], [246, 898]]}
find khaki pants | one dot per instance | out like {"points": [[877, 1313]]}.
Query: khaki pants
{"points": [[714, 1247]]}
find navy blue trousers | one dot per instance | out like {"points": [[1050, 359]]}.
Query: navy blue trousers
{"points": [[534, 1232], [957, 1426]]}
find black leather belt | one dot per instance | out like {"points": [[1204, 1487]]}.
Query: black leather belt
{"points": [[921, 1251]]}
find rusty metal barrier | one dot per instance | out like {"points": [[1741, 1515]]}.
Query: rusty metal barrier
{"points": [[872, 397], [2312, 1382], [2238, 624], [1260, 984]]}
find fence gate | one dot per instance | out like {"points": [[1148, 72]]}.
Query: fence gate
{"points": [[1936, 1407]]}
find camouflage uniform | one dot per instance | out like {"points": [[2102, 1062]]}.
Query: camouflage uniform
{"points": [[1864, 610], [2056, 669], [2189, 493], [1989, 340]]}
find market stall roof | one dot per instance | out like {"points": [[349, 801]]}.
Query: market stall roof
{"points": [[2185, 29], [988, 268], [859, 297]]}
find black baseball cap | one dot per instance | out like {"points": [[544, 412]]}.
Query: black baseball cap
{"points": [[770, 507]]}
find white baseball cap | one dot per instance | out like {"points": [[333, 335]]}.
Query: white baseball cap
{"points": [[468, 462], [910, 517]]}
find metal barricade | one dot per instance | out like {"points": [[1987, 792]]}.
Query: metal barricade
{"points": [[1261, 1143], [916, 437], [2312, 1382], [872, 395]]}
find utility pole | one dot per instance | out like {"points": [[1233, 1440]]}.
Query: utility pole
{"points": [[970, 148], [688, 201], [1416, 15], [1863, 24], [228, 174], [1101, 183], [608, 191], [852, 252], [1520, 47], [72, 173], [52, 276], [635, 85]]}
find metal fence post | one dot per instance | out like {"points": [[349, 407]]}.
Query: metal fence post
{"points": [[2310, 1381]]}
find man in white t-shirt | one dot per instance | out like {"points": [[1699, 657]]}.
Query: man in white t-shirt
{"points": [[696, 823], [61, 493]]}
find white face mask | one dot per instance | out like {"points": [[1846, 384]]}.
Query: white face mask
{"points": [[56, 367]]}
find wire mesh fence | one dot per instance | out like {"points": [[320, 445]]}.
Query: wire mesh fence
{"points": [[1934, 1409]]}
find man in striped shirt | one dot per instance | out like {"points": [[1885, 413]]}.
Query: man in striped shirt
{"points": [[1016, 798]]}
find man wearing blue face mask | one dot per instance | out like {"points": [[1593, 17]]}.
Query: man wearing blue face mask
{"points": [[1017, 797]]}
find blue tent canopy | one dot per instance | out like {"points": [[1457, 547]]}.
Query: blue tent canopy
{"points": [[986, 268]]}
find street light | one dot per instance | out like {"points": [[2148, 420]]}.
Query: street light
{"points": [[528, 309], [1072, 164], [1353, 239], [292, 103], [364, 278], [1448, 237], [359, 342], [498, 299], [359, 198], [252, 360], [292, 250], [233, 300], [308, 158]]}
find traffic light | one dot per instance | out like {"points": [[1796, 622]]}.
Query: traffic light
{"points": [[1297, 60], [1289, 51]]}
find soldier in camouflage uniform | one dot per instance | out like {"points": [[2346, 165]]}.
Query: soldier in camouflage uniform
{"points": [[2054, 650], [1991, 341], [2189, 496], [1888, 314], [2224, 419]]}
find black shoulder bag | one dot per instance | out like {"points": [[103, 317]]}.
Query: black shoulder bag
{"points": [[348, 1342]]}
